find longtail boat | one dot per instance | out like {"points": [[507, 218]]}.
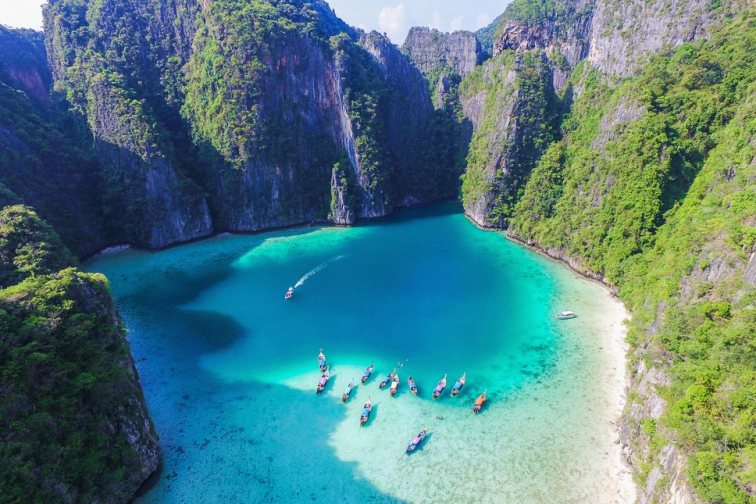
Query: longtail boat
{"points": [[412, 386], [416, 441], [347, 391], [366, 409], [387, 380], [366, 374], [322, 361], [458, 385], [323, 381], [479, 402], [440, 386], [394, 384]]}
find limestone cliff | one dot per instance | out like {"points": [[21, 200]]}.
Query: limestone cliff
{"points": [[214, 117], [626, 34], [23, 64], [73, 423], [431, 50], [617, 39], [45, 160], [117, 65], [511, 105], [561, 29]]}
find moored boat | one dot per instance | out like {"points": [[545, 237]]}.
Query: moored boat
{"points": [[323, 381], [479, 402], [458, 385], [289, 293], [564, 315], [322, 361], [394, 384], [416, 441], [366, 374], [366, 409], [347, 391], [387, 380], [412, 385], [440, 386]]}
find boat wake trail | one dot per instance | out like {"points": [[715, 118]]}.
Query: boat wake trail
{"points": [[317, 269]]}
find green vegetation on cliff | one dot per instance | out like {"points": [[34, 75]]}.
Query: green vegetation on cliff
{"points": [[28, 246], [45, 154], [517, 123], [533, 11], [653, 187], [691, 287], [236, 41], [72, 424], [45, 164], [631, 153], [365, 94]]}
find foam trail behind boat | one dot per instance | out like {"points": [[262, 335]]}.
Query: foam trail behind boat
{"points": [[317, 269]]}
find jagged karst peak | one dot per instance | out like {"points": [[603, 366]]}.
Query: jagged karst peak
{"points": [[614, 136]]}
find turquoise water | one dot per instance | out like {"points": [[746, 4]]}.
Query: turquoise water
{"points": [[229, 368]]}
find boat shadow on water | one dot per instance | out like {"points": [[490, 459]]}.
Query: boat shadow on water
{"points": [[421, 446], [371, 418]]}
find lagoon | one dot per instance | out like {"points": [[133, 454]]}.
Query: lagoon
{"points": [[229, 368]]}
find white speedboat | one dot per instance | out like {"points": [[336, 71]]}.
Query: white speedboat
{"points": [[564, 315]]}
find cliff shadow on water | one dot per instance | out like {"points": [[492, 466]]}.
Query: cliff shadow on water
{"points": [[229, 371], [244, 437], [257, 457]]}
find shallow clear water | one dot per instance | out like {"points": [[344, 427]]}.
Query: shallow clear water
{"points": [[229, 368]]}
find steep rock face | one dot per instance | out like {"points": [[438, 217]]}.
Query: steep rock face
{"points": [[228, 116], [444, 59], [482, 183], [621, 198], [307, 99], [45, 157], [318, 97], [431, 50], [615, 36], [511, 104], [343, 200], [162, 207], [412, 135], [23, 63], [115, 64], [561, 29], [626, 34], [73, 424], [278, 172]]}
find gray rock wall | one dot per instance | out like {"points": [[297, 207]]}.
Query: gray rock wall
{"points": [[626, 33], [178, 185], [513, 119], [430, 49], [563, 34]]}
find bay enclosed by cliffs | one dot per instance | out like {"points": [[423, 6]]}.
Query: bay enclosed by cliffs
{"points": [[229, 369]]}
